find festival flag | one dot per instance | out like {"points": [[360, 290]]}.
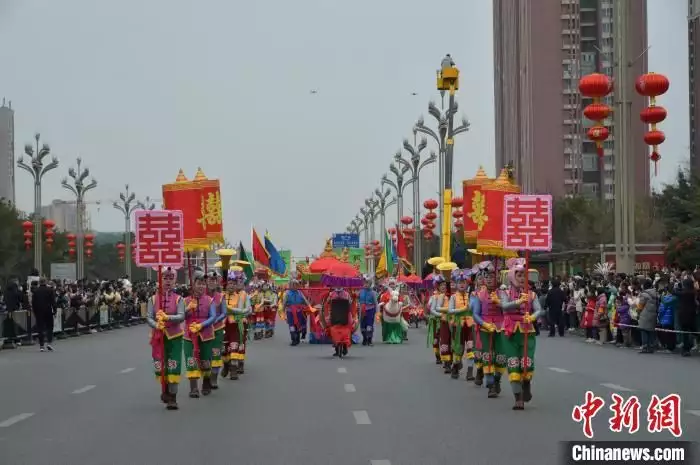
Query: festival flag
{"points": [[243, 256], [277, 264], [386, 261], [260, 255], [401, 249]]}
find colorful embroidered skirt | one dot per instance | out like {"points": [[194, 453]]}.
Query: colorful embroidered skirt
{"points": [[520, 367], [173, 361]]}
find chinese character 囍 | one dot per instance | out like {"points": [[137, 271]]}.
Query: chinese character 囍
{"points": [[210, 210]]}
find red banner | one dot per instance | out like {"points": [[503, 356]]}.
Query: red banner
{"points": [[490, 239], [474, 205], [159, 238], [527, 222]]}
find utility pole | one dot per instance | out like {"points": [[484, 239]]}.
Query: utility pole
{"points": [[625, 239]]}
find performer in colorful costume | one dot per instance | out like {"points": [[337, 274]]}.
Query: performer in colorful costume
{"points": [[489, 356], [257, 319], [437, 301], [200, 314], [462, 324], [519, 340], [393, 324], [268, 303], [166, 312], [238, 308], [295, 305], [214, 290], [343, 318], [368, 309], [439, 310]]}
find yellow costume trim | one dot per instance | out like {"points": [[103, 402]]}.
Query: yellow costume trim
{"points": [[480, 365], [194, 374], [446, 358], [237, 357], [520, 377], [217, 363], [170, 379], [469, 355], [224, 358], [436, 350]]}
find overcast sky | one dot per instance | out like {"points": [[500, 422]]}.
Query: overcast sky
{"points": [[141, 88]]}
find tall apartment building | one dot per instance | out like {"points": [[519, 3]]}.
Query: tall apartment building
{"points": [[541, 49], [64, 214], [694, 82], [7, 152]]}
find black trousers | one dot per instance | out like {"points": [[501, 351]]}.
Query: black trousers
{"points": [[556, 321], [44, 326]]}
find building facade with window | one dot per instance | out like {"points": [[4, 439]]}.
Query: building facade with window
{"points": [[694, 82], [7, 152], [541, 49]]}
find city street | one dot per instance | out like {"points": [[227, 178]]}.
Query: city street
{"points": [[95, 400]]}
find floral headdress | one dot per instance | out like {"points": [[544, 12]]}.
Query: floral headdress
{"points": [[461, 275], [514, 265]]}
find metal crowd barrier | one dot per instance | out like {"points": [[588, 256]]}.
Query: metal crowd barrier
{"points": [[19, 327]]}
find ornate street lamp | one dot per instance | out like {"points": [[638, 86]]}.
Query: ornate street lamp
{"points": [[382, 206], [415, 166], [399, 185], [79, 188], [37, 168], [127, 205], [370, 212], [146, 204]]}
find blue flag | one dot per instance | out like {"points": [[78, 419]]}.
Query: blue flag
{"points": [[277, 264]]}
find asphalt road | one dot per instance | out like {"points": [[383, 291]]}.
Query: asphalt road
{"points": [[95, 401]]}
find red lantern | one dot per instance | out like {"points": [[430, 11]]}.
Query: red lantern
{"points": [[88, 253], [89, 237], [28, 235], [430, 226], [596, 111], [70, 237], [457, 202], [49, 233], [392, 231], [71, 243], [408, 231], [48, 224], [457, 214], [595, 85], [459, 224], [28, 243], [27, 225], [430, 204], [406, 220], [71, 252], [598, 134], [431, 216], [120, 246], [49, 242], [652, 85], [89, 244], [424, 221]]}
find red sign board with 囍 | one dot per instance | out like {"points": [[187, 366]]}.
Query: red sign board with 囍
{"points": [[527, 222], [159, 238]]}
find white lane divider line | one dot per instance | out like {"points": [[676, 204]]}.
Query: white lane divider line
{"points": [[84, 389], [559, 370], [16, 419], [361, 417], [616, 387], [350, 388], [342, 370], [380, 462], [693, 412], [127, 370]]}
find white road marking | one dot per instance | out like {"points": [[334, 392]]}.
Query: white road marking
{"points": [[16, 419], [362, 417], [380, 462], [559, 370], [127, 370], [350, 388], [84, 389], [342, 370], [693, 412], [616, 387]]}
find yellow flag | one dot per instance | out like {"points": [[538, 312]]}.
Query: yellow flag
{"points": [[381, 266]]}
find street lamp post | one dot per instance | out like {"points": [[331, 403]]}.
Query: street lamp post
{"points": [[79, 188], [127, 205], [399, 185], [37, 169], [415, 166], [382, 206], [370, 217]]}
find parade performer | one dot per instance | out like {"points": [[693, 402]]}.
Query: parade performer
{"points": [[343, 318], [439, 310], [438, 300], [268, 302], [393, 323], [462, 324], [368, 309], [238, 308], [294, 306], [214, 291], [257, 318], [166, 312], [519, 341], [200, 314], [489, 356]]}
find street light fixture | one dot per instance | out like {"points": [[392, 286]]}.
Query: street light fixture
{"points": [[146, 204], [399, 185], [415, 166], [383, 205], [79, 188], [37, 169], [127, 206], [371, 210]]}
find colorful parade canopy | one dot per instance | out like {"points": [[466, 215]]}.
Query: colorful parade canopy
{"points": [[474, 205], [490, 238]]}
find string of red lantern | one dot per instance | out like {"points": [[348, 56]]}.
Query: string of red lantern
{"points": [[458, 214], [49, 233], [120, 251], [652, 85], [428, 218], [71, 244], [27, 226], [89, 238], [596, 86]]}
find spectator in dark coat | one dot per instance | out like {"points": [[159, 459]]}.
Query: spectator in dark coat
{"points": [[13, 303], [44, 308], [686, 310], [554, 303]]}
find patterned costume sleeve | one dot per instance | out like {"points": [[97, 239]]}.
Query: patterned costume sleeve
{"points": [[151, 314], [475, 304], [212, 316]]}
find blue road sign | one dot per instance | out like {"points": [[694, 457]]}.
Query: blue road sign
{"points": [[349, 240]]}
